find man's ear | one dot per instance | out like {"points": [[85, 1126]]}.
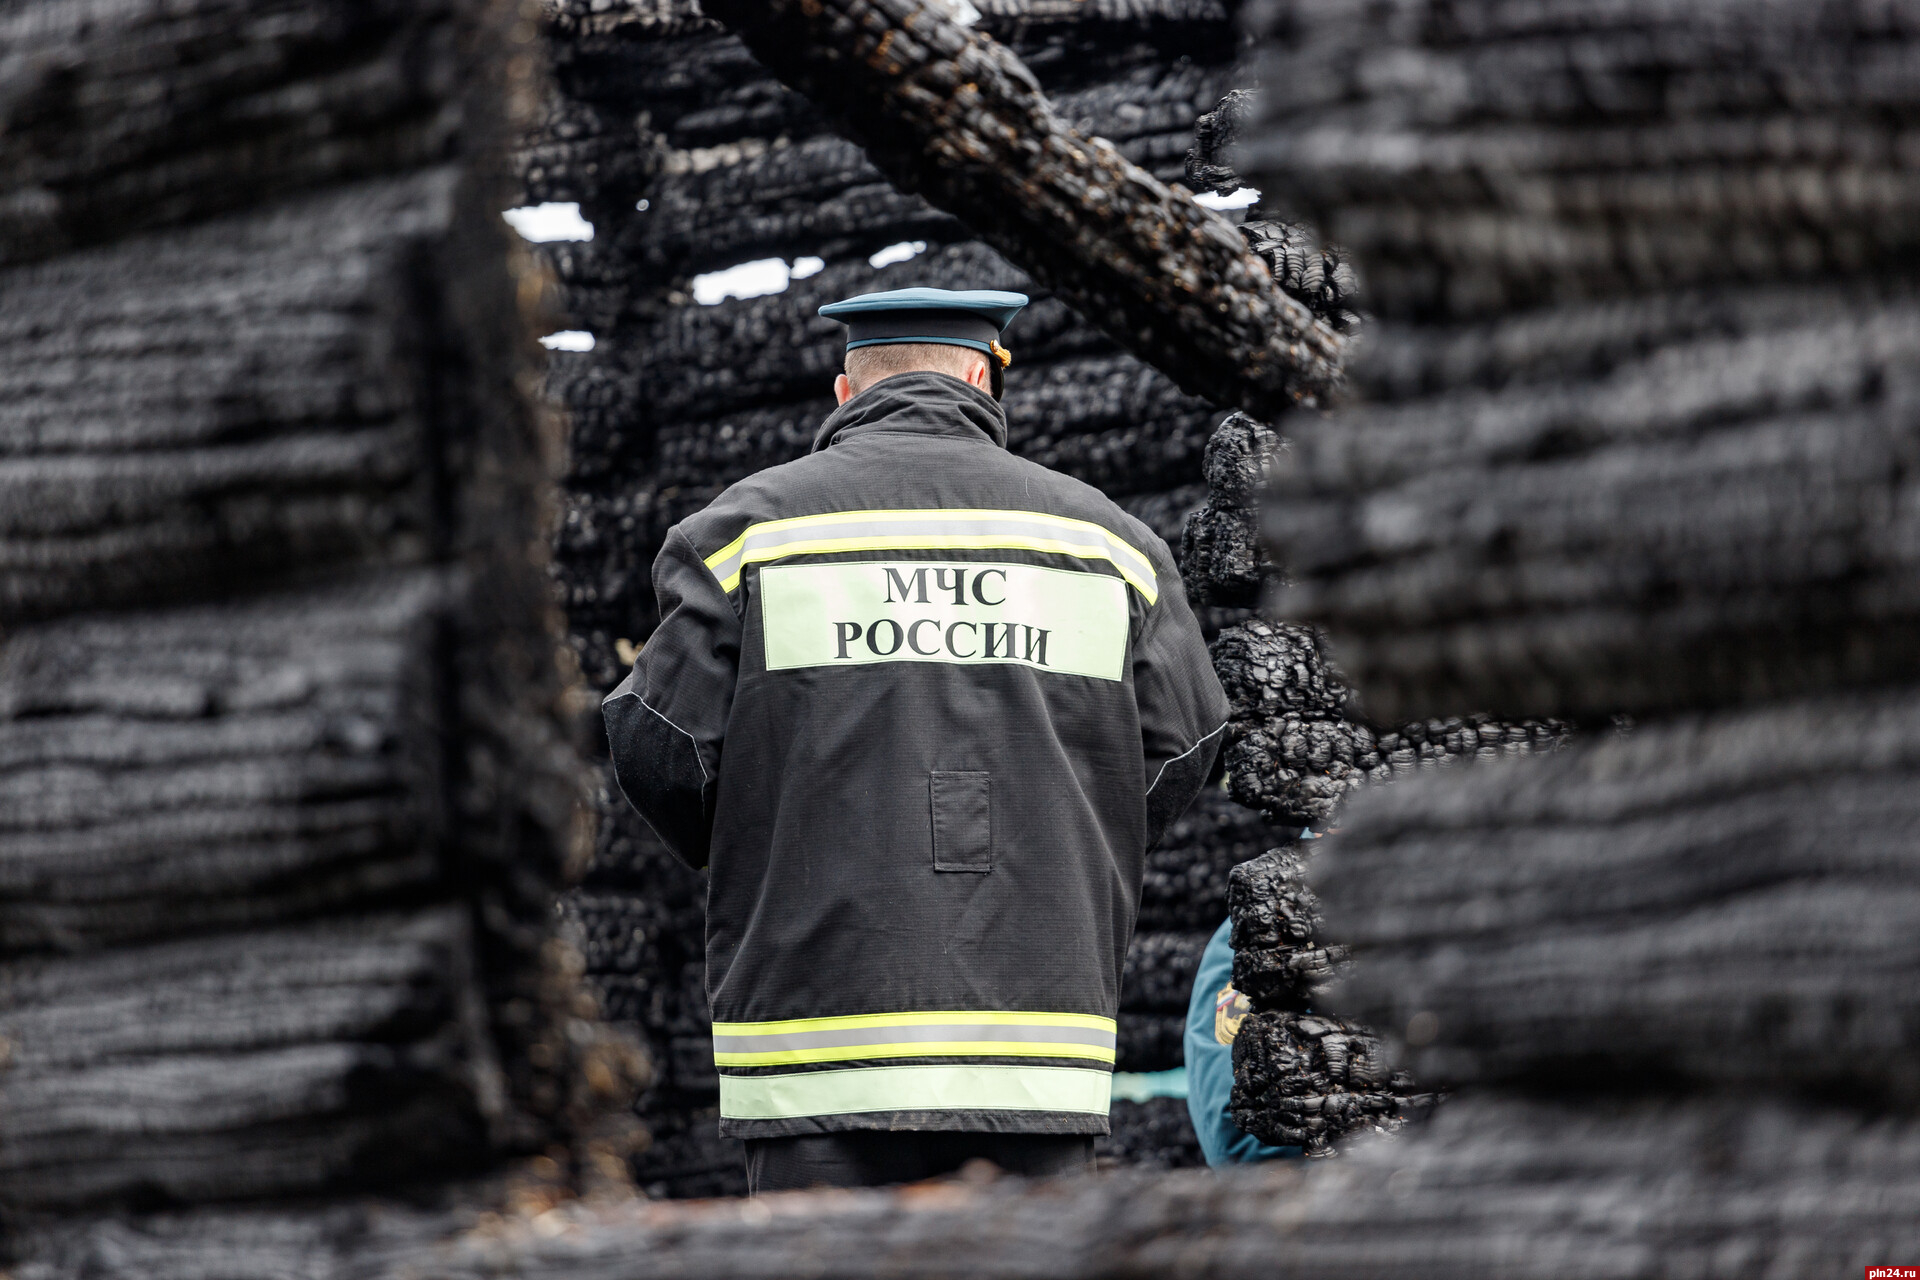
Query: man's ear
{"points": [[842, 389], [978, 377]]}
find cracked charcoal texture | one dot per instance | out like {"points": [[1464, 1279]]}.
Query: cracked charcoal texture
{"points": [[1297, 746], [1208, 166], [1222, 558], [1302, 1077], [285, 791], [1306, 1079], [678, 400], [1298, 742], [1277, 961], [1649, 312]]}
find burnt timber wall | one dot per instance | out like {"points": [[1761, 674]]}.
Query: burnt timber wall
{"points": [[655, 103], [284, 787]]}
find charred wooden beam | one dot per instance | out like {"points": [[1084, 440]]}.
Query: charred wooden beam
{"points": [[955, 116]]}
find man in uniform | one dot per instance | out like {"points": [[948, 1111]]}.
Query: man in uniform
{"points": [[923, 707]]}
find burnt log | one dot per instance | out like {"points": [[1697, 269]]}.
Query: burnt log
{"points": [[1727, 900], [1298, 743], [1306, 1079], [141, 114], [1278, 963], [1485, 1187], [956, 116], [285, 786], [1481, 159], [1635, 418]]}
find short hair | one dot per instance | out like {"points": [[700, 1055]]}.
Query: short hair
{"points": [[868, 365]]}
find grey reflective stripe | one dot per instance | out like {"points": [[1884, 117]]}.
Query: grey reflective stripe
{"points": [[926, 1034], [949, 1088]]}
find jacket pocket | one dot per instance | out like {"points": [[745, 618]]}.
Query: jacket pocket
{"points": [[962, 821]]}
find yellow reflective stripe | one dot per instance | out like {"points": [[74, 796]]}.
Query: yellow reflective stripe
{"points": [[918, 1019], [929, 1049], [936, 542], [932, 529], [920, 1034]]}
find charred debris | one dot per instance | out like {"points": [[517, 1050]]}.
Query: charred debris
{"points": [[288, 789]]}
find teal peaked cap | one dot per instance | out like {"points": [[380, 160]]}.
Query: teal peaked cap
{"points": [[958, 317]]}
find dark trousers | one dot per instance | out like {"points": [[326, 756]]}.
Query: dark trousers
{"points": [[877, 1159]]}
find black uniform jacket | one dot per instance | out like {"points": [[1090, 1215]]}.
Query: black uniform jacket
{"points": [[923, 706]]}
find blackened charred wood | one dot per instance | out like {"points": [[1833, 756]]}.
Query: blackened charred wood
{"points": [[1750, 474], [140, 114], [1278, 963], [1156, 1133], [957, 118], [1208, 166], [1635, 411], [1150, 1041], [344, 1052], [1223, 558], [1270, 903], [1158, 975], [1287, 977], [1537, 157], [1297, 745], [1530, 921], [1485, 1187], [197, 408], [1274, 668], [1320, 276], [1307, 1079], [1187, 878]]}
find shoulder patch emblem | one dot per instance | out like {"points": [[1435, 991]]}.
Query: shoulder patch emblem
{"points": [[1230, 1009]]}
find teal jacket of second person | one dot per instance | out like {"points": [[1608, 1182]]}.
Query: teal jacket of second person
{"points": [[1214, 1012]]}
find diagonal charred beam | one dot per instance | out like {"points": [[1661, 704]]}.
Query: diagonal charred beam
{"points": [[958, 118]]}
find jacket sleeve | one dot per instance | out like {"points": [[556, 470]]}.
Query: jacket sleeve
{"points": [[1209, 1064], [1183, 711], [667, 720]]}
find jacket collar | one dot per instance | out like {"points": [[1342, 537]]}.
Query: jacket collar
{"points": [[931, 404]]}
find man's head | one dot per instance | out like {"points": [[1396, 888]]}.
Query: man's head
{"points": [[868, 365], [955, 332]]}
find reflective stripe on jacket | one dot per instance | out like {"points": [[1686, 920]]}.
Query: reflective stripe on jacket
{"points": [[922, 706]]}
